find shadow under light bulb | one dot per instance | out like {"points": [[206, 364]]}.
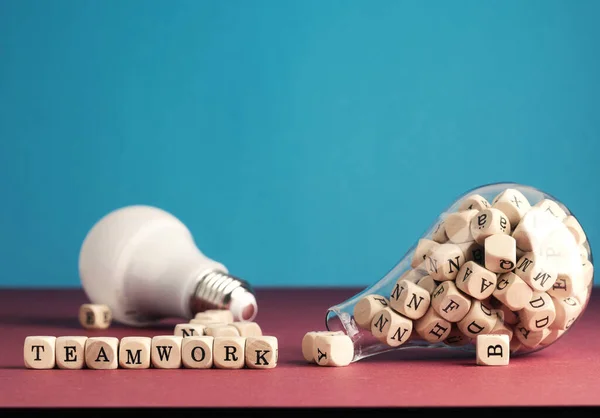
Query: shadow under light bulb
{"points": [[143, 263], [550, 274]]}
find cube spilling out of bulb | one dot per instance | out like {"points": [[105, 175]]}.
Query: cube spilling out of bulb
{"points": [[503, 259]]}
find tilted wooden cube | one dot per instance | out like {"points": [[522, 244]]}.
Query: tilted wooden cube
{"points": [[308, 343], [449, 302], [474, 201], [444, 262], [513, 204], [367, 307], [479, 320], [409, 299], [333, 350], [489, 222], [512, 291], [539, 312], [475, 280], [458, 226], [432, 327], [391, 327], [500, 252]]}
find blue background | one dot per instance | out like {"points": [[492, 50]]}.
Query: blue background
{"points": [[303, 142]]}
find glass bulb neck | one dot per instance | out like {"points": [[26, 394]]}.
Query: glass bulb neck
{"points": [[219, 290]]}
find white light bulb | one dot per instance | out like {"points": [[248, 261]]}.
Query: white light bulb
{"points": [[144, 264]]}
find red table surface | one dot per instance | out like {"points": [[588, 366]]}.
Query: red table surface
{"points": [[566, 373]]}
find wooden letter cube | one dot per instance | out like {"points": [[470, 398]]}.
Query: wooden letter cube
{"points": [[166, 351], [472, 251], [444, 262], [197, 352], [539, 313], [424, 248], [530, 339], [493, 350], [534, 271], [449, 302], [513, 204], [94, 316], [475, 280], [248, 328], [428, 284], [456, 338], [458, 226], [261, 352], [409, 299], [551, 207], [512, 291], [567, 310], [566, 285], [229, 352], [189, 330], [489, 222], [70, 352], [333, 350], [221, 330], [366, 308], [432, 327], [391, 328], [134, 352], [474, 201], [39, 352], [479, 320], [439, 233], [500, 253], [308, 343], [102, 353]]}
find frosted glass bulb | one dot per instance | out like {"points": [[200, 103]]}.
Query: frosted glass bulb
{"points": [[144, 264], [514, 260]]}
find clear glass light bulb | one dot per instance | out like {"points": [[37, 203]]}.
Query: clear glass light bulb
{"points": [[144, 264], [540, 223]]}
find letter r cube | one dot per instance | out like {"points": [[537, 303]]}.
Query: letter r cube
{"points": [[493, 349]]}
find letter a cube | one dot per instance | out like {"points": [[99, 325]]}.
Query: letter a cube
{"points": [[493, 350]]}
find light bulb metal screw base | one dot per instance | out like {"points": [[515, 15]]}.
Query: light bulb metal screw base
{"points": [[219, 290]]}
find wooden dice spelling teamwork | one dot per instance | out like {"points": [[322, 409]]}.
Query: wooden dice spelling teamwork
{"points": [[505, 276], [211, 340]]}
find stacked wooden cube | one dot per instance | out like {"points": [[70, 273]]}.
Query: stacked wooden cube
{"points": [[505, 274], [211, 340]]}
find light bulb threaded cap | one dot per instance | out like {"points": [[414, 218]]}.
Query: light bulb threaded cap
{"points": [[219, 290]]}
